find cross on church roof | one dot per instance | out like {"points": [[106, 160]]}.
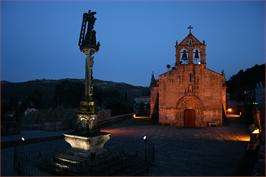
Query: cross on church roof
{"points": [[190, 28]]}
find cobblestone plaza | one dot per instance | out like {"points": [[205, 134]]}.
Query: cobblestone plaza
{"points": [[178, 151], [185, 151]]}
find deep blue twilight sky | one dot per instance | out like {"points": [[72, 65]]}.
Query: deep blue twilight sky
{"points": [[39, 39]]}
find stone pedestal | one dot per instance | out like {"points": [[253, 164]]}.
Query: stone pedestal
{"points": [[88, 144], [84, 150]]}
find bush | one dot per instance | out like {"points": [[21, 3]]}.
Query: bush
{"points": [[50, 115]]}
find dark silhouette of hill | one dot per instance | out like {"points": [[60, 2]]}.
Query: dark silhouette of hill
{"points": [[68, 93], [118, 97]]}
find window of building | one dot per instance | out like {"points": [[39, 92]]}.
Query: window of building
{"points": [[190, 42]]}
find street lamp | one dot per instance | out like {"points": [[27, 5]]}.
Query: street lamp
{"points": [[230, 110], [256, 131], [145, 147], [16, 162], [254, 139]]}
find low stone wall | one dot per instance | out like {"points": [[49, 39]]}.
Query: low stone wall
{"points": [[9, 128], [104, 118], [113, 119], [48, 126], [104, 114]]}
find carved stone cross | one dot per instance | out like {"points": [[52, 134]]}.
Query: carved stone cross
{"points": [[189, 28]]}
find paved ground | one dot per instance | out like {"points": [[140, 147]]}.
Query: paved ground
{"points": [[31, 134], [179, 151]]}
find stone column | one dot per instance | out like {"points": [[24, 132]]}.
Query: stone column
{"points": [[190, 56], [87, 114], [88, 75]]}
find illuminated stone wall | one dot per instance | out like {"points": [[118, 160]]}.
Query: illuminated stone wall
{"points": [[190, 86]]}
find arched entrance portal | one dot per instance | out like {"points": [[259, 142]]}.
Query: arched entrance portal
{"points": [[189, 111], [189, 118]]}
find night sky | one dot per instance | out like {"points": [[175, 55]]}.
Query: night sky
{"points": [[39, 39]]}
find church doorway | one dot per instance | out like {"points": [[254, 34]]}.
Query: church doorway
{"points": [[189, 118]]}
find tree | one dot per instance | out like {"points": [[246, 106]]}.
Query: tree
{"points": [[35, 98], [68, 94]]}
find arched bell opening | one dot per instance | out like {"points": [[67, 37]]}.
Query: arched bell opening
{"points": [[183, 56], [196, 56]]}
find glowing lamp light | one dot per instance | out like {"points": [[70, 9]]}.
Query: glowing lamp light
{"points": [[229, 109], [22, 138], [134, 115], [144, 137], [256, 131]]}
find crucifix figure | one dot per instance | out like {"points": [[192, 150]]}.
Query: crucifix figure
{"points": [[190, 28]]}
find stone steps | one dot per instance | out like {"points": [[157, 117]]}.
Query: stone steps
{"points": [[107, 163]]}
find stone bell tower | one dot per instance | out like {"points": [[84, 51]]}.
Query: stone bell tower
{"points": [[190, 50]]}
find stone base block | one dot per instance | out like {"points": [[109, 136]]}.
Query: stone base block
{"points": [[88, 144]]}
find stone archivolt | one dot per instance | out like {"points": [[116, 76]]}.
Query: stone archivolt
{"points": [[190, 102]]}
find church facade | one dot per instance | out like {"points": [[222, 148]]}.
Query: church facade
{"points": [[189, 94]]}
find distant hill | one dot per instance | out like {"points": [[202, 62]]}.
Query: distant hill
{"points": [[44, 94]]}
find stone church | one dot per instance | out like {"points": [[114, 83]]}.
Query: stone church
{"points": [[189, 94]]}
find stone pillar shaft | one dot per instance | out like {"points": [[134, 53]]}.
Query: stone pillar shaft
{"points": [[88, 76], [190, 56]]}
